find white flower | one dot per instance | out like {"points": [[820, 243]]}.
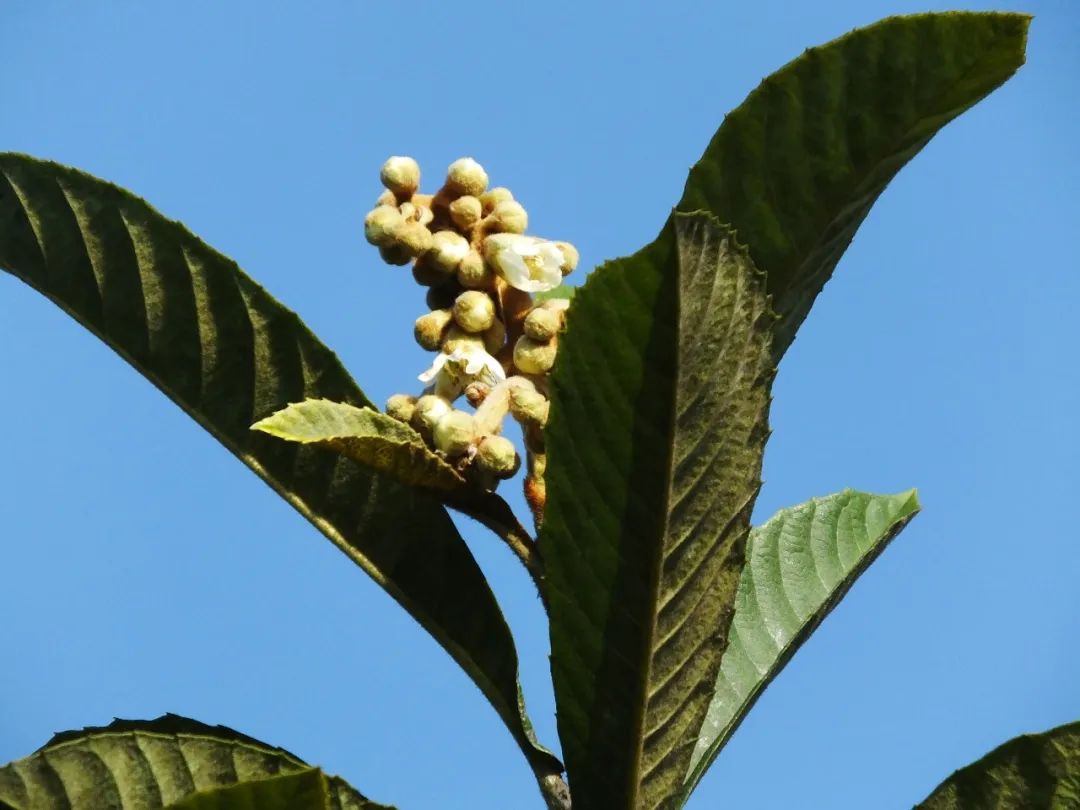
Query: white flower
{"points": [[525, 262], [467, 361]]}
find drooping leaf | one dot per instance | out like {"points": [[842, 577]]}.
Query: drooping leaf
{"points": [[302, 790], [364, 435], [658, 424], [150, 764], [1031, 772], [797, 166], [219, 346], [799, 565]]}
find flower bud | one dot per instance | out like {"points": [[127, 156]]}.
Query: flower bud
{"points": [[466, 176], [448, 249], [455, 433], [528, 405], [395, 254], [476, 392], [489, 199], [414, 237], [401, 175], [381, 223], [474, 311], [401, 407], [498, 456], [495, 337], [466, 211], [570, 257], [533, 357], [443, 294], [542, 324], [426, 273], [430, 329], [474, 273], [508, 216], [427, 413]]}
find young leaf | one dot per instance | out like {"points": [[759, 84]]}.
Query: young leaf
{"points": [[219, 346], [563, 291], [1031, 772], [797, 166], [365, 435], [799, 565], [658, 423], [137, 764], [302, 790]]}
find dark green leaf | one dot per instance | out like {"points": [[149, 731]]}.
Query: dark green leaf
{"points": [[658, 424], [365, 435], [796, 167], [228, 354], [137, 764], [799, 565], [1032, 772], [303, 790]]}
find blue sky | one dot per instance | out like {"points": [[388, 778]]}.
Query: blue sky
{"points": [[145, 570]]}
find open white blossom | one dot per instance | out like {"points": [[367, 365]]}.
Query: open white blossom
{"points": [[466, 363], [525, 262]]}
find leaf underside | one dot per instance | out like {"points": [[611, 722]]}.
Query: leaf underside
{"points": [[796, 167], [302, 790], [1031, 772], [219, 346], [799, 565], [149, 764], [658, 423], [367, 436]]}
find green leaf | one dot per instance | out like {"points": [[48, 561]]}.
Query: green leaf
{"points": [[137, 764], [367, 436], [1031, 772], [799, 565], [563, 291], [219, 346], [658, 423], [303, 790], [797, 166]]}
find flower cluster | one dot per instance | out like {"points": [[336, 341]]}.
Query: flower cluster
{"points": [[495, 344]]}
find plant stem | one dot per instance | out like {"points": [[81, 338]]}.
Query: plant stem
{"points": [[555, 791]]}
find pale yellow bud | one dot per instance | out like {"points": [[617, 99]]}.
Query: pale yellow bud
{"points": [[528, 405], [427, 413], [401, 175], [474, 273], [401, 407], [448, 249], [489, 199], [495, 337], [466, 211], [498, 456], [570, 256], [381, 223], [508, 216], [455, 433], [466, 176], [414, 237], [430, 330], [542, 324], [474, 311], [532, 356]]}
